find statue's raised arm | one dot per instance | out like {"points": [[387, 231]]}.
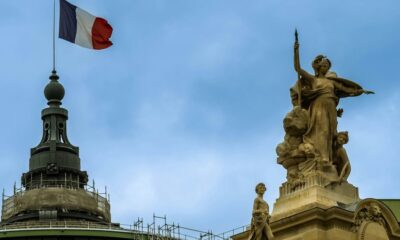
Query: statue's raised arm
{"points": [[304, 76]]}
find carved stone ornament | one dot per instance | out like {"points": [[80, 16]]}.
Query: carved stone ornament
{"points": [[369, 213]]}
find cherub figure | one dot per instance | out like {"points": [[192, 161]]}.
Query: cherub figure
{"points": [[341, 160], [308, 150]]}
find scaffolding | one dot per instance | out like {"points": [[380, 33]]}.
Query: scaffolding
{"points": [[158, 229], [12, 205]]}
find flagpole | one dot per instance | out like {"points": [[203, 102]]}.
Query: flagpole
{"points": [[54, 35]]}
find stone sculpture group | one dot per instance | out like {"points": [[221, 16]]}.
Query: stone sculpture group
{"points": [[312, 143], [312, 150]]}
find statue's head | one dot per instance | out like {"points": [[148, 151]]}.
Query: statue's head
{"points": [[261, 188], [307, 148], [321, 65], [342, 137], [374, 210]]}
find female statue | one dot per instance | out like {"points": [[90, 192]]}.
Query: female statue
{"points": [[260, 229], [320, 94]]}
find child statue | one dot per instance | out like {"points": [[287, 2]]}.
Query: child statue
{"points": [[341, 160]]}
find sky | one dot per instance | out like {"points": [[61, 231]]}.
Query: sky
{"points": [[181, 116]]}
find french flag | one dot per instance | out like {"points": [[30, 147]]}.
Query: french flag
{"points": [[82, 28]]}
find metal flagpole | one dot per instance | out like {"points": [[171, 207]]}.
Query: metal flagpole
{"points": [[54, 35]]}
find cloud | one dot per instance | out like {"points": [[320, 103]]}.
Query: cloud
{"points": [[167, 186], [182, 114]]}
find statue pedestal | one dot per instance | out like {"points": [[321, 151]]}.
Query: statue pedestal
{"points": [[317, 210], [313, 192], [313, 209]]}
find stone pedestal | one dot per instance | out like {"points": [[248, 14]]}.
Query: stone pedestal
{"points": [[314, 192], [314, 209], [317, 210]]}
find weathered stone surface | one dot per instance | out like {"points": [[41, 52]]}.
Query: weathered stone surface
{"points": [[312, 194], [56, 198], [336, 223]]}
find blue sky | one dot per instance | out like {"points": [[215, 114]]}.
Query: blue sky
{"points": [[181, 116]]}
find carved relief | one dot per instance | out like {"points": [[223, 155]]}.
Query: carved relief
{"points": [[369, 213], [52, 168], [289, 153]]}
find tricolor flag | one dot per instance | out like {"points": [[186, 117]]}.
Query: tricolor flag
{"points": [[82, 28]]}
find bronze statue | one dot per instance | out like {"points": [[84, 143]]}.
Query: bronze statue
{"points": [[260, 229], [312, 124]]}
